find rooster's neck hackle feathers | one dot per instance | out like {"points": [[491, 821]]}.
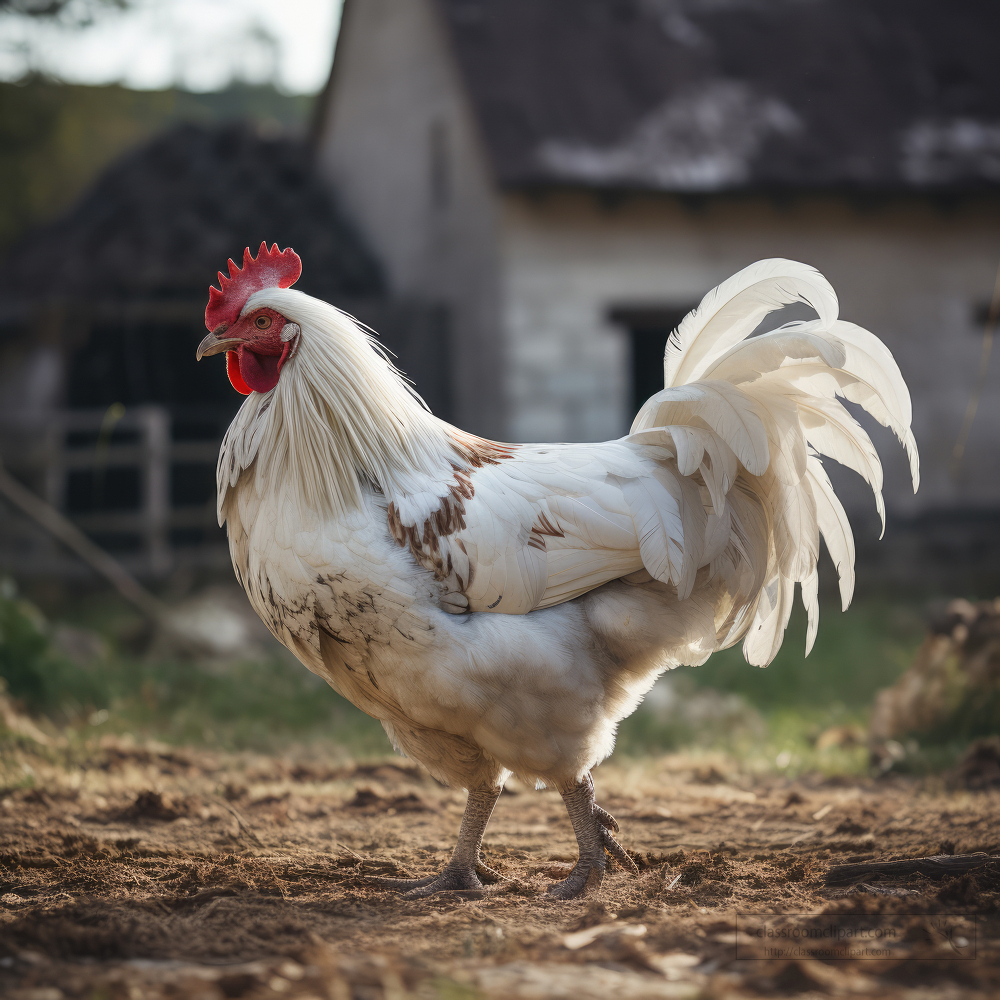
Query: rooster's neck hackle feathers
{"points": [[341, 418]]}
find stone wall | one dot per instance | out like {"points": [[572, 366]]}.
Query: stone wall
{"points": [[914, 273]]}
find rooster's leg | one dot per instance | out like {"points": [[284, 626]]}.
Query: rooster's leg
{"points": [[461, 871], [594, 828]]}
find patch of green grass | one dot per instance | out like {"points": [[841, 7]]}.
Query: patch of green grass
{"points": [[773, 717], [245, 705], [768, 718], [259, 704], [32, 670], [792, 742], [857, 653], [442, 988], [677, 714]]}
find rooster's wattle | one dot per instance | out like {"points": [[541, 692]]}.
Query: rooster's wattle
{"points": [[501, 608]]}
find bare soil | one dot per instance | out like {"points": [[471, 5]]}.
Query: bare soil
{"points": [[140, 871]]}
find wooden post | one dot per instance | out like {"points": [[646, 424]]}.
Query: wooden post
{"points": [[54, 445], [155, 421]]}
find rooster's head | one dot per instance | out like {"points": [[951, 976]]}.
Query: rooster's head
{"points": [[257, 342]]}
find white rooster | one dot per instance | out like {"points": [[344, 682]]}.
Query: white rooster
{"points": [[501, 608]]}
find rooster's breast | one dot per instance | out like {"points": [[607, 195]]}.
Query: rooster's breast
{"points": [[338, 593]]}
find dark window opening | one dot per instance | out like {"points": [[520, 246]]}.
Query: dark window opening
{"points": [[135, 363], [193, 537], [648, 329], [118, 541], [197, 430], [91, 439]]}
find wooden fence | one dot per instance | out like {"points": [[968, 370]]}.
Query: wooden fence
{"points": [[139, 480], [116, 474]]}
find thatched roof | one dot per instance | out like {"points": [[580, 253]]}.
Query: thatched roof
{"points": [[162, 220], [711, 95]]}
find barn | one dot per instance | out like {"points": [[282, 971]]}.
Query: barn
{"points": [[570, 176]]}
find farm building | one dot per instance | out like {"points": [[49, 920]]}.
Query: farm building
{"points": [[523, 199], [103, 411], [570, 176]]}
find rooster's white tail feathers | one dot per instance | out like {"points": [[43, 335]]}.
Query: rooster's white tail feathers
{"points": [[770, 403], [733, 310]]}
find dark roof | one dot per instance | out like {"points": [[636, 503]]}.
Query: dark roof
{"points": [[707, 95], [163, 219]]}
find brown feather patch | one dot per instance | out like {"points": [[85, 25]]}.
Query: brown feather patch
{"points": [[424, 541], [477, 451], [542, 527]]}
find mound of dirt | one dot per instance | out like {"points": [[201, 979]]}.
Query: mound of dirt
{"points": [[952, 690], [140, 871], [979, 768]]}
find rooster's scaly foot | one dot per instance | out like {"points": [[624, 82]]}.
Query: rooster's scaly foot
{"points": [[454, 879], [594, 829]]}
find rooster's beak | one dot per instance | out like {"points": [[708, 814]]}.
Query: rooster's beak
{"points": [[215, 343]]}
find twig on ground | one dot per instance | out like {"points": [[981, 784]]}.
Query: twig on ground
{"points": [[241, 822], [938, 866]]}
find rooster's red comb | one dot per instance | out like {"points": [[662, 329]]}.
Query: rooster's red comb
{"points": [[271, 269]]}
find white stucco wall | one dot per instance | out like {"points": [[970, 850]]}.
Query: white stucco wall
{"points": [[911, 272], [394, 83]]}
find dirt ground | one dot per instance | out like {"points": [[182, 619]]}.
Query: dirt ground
{"points": [[140, 871]]}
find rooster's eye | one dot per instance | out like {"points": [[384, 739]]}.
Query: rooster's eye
{"points": [[262, 322]]}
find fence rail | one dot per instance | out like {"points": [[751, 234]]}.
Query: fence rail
{"points": [[113, 473]]}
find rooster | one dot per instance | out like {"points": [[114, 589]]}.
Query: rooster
{"points": [[500, 608]]}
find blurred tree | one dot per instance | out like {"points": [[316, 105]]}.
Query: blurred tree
{"points": [[55, 138]]}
